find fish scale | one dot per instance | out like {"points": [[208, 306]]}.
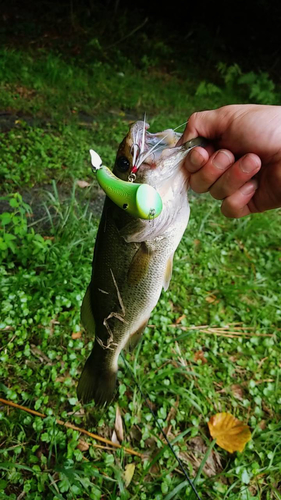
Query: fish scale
{"points": [[132, 261]]}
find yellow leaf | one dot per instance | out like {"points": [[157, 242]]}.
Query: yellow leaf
{"points": [[128, 474], [230, 433]]}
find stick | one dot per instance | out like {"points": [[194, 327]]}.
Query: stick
{"points": [[73, 427]]}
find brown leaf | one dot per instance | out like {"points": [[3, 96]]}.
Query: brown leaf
{"points": [[196, 450], [114, 438], [76, 335], [119, 425], [83, 184], [179, 320], [200, 355], [230, 433], [237, 391], [128, 474], [150, 444], [39, 354], [83, 445], [61, 379], [155, 469], [262, 424], [212, 299]]}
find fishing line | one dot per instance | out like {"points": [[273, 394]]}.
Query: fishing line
{"points": [[190, 482]]}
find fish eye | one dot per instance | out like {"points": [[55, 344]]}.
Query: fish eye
{"points": [[123, 163]]}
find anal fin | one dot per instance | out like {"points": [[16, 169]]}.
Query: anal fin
{"points": [[87, 317], [135, 337]]}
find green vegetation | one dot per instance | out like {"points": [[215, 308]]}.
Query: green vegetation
{"points": [[226, 276]]}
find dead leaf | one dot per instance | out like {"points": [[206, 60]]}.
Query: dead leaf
{"points": [[61, 379], [150, 443], [262, 425], [199, 355], [230, 433], [7, 328], [179, 320], [119, 425], [171, 415], [39, 354], [128, 474], [196, 450], [79, 413], [155, 469], [114, 438], [24, 92], [237, 391], [212, 299], [76, 335], [83, 445], [83, 184]]}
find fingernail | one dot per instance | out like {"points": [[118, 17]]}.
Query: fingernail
{"points": [[196, 159], [249, 187], [222, 160], [249, 164]]}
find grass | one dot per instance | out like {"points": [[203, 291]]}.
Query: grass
{"points": [[213, 343]]}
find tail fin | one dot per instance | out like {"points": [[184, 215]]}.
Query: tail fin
{"points": [[98, 379]]}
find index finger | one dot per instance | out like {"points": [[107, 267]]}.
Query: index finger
{"points": [[197, 158]]}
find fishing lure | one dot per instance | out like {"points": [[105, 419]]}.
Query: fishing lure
{"points": [[139, 200]]}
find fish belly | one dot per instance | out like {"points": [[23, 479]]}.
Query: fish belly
{"points": [[126, 284]]}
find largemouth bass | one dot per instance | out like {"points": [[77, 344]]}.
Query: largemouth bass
{"points": [[133, 258]]}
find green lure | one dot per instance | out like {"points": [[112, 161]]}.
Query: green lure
{"points": [[139, 200]]}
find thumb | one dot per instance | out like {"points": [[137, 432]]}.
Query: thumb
{"points": [[208, 124]]}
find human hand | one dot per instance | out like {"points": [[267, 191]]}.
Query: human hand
{"points": [[250, 181]]}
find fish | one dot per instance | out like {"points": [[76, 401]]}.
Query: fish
{"points": [[133, 258]]}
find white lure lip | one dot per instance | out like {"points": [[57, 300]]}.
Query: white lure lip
{"points": [[95, 159]]}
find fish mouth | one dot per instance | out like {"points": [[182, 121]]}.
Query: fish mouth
{"points": [[146, 157], [147, 148]]}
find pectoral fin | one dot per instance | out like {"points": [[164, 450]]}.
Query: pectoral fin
{"points": [[168, 272], [139, 265], [87, 317]]}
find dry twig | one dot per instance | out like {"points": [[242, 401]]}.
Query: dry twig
{"points": [[232, 330], [73, 427]]}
